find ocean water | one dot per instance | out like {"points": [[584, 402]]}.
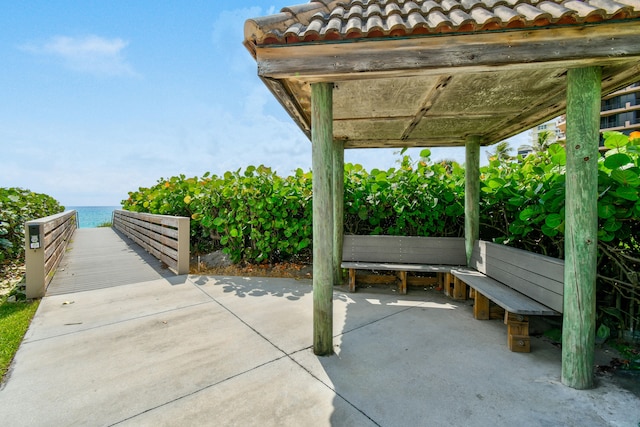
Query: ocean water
{"points": [[92, 216]]}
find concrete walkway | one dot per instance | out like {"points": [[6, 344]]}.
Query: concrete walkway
{"points": [[220, 351]]}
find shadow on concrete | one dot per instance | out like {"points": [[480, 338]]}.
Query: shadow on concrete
{"points": [[254, 286], [422, 359]]}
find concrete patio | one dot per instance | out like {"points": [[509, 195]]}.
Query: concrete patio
{"points": [[202, 350]]}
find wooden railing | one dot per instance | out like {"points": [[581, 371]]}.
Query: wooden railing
{"points": [[165, 237], [45, 242]]}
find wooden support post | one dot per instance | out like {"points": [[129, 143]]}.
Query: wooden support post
{"points": [[472, 194], [338, 209], [322, 154], [581, 226]]}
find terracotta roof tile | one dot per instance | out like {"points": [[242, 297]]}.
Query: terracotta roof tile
{"points": [[469, 4], [353, 27], [410, 7], [372, 10], [320, 20], [557, 11], [483, 17], [374, 23], [430, 6]]}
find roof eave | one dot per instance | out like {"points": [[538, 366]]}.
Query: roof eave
{"points": [[336, 60]]}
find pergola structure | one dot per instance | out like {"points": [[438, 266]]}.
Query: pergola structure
{"points": [[423, 73]]}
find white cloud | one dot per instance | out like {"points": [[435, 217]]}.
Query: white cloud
{"points": [[88, 54]]}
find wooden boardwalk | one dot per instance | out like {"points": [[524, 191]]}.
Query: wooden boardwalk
{"points": [[100, 258]]}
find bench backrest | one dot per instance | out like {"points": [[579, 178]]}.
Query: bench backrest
{"points": [[405, 250], [538, 276]]}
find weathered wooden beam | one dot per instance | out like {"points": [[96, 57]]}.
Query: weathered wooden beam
{"points": [[581, 226], [568, 46], [430, 99], [322, 162], [471, 194], [338, 209], [289, 103]]}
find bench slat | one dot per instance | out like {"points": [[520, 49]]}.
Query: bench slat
{"points": [[507, 298], [537, 276], [403, 249], [550, 299], [402, 254], [545, 266], [528, 273], [398, 267]]}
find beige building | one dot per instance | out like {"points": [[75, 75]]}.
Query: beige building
{"points": [[620, 111]]}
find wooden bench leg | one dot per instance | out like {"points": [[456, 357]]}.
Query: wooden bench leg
{"points": [[518, 338], [447, 283], [403, 282], [480, 306], [446, 287], [459, 289], [352, 280]]}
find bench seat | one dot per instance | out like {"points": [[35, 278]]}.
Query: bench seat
{"points": [[507, 298], [414, 268], [521, 282], [403, 254]]}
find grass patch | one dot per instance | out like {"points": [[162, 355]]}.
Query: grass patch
{"points": [[15, 318]]}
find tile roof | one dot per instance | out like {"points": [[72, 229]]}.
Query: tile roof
{"points": [[330, 20]]}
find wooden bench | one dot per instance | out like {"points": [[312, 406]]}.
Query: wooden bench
{"points": [[521, 282], [403, 254]]}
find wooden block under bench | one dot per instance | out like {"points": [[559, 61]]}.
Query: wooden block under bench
{"points": [[519, 343]]}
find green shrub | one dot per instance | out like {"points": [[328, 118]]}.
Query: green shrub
{"points": [[417, 198], [254, 216], [16, 207], [258, 216]]}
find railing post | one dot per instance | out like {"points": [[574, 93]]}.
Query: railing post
{"points": [[184, 236], [45, 242], [34, 252]]}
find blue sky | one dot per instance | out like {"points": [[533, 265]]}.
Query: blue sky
{"points": [[99, 98]]}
